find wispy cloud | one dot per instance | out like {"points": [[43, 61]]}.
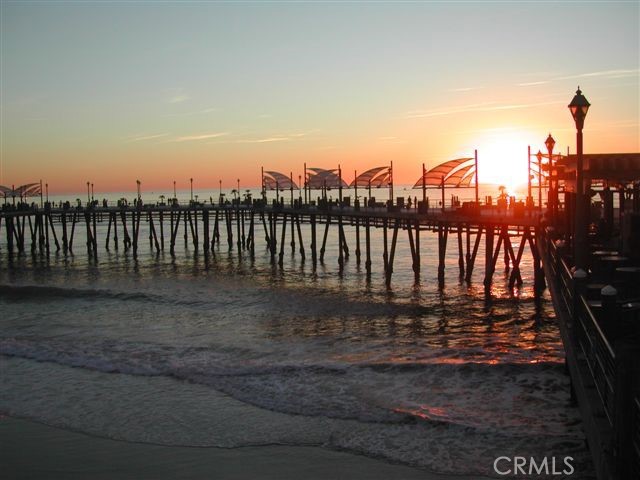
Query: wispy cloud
{"points": [[204, 136], [477, 107], [464, 89], [531, 84], [620, 73], [140, 138], [267, 140], [176, 95], [178, 98], [190, 113], [279, 138]]}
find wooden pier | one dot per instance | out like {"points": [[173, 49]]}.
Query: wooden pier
{"points": [[210, 228]]}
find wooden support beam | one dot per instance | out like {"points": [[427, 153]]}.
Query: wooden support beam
{"points": [[443, 233], [460, 251], [385, 252], [153, 234], [324, 239], [205, 232], [367, 234], [340, 245], [417, 265], [392, 255], [314, 256], [472, 259], [293, 237], [488, 257], [302, 255], [284, 231], [161, 220], [412, 247], [266, 233], [73, 229], [65, 237], [357, 240], [238, 232], [106, 242]]}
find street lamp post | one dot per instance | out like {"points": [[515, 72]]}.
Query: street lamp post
{"points": [[579, 107], [88, 193], [220, 193], [529, 197], [92, 198], [174, 191], [539, 157], [553, 183], [191, 186], [138, 183]]}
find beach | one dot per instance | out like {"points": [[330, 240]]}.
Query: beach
{"points": [[34, 450]]}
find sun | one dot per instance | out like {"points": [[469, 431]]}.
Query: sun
{"points": [[502, 159]]}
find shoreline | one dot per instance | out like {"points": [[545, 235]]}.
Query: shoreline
{"points": [[30, 449]]}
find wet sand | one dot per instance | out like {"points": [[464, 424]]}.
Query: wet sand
{"points": [[32, 450]]}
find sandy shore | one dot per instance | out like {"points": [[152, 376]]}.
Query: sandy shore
{"points": [[32, 450]]}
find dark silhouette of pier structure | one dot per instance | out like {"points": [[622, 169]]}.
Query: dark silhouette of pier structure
{"points": [[243, 226]]}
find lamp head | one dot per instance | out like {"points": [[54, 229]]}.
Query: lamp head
{"points": [[579, 107], [550, 143]]}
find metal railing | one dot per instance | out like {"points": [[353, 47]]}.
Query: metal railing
{"points": [[615, 376]]}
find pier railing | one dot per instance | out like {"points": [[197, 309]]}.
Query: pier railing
{"points": [[612, 368]]}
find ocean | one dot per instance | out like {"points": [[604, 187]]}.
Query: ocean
{"points": [[231, 352]]}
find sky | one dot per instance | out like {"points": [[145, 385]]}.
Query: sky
{"points": [[111, 92]]}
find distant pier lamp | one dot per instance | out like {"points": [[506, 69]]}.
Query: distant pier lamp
{"points": [[579, 107], [553, 187], [92, 198], [191, 186], [174, 191], [138, 184], [88, 193]]}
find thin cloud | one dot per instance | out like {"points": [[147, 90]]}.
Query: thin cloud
{"points": [[280, 138], [147, 137], [604, 73], [268, 140], [196, 112], [464, 89], [179, 98], [205, 136], [531, 84]]}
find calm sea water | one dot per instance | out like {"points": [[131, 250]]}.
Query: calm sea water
{"points": [[232, 352]]}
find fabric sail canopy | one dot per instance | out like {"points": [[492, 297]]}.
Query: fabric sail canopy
{"points": [[276, 180], [27, 190], [456, 173], [321, 178], [374, 177]]}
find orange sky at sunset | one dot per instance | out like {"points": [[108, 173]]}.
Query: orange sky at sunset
{"points": [[111, 93]]}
